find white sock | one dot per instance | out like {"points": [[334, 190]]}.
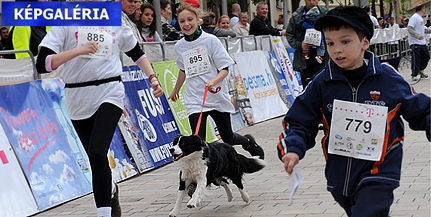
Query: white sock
{"points": [[104, 211]]}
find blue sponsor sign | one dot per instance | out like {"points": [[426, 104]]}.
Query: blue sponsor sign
{"points": [[61, 14], [151, 118], [281, 77]]}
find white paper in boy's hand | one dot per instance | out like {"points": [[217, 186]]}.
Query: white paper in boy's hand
{"points": [[295, 179]]}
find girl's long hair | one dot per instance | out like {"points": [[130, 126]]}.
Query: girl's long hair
{"points": [[152, 26]]}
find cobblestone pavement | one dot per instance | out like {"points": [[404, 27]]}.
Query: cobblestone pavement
{"points": [[154, 193]]}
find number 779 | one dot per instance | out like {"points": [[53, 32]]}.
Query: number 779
{"points": [[366, 124]]}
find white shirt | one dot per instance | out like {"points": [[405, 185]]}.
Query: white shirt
{"points": [[374, 20], [195, 86], [234, 20], [418, 24], [84, 101]]}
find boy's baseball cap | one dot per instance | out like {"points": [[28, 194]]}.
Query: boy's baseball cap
{"points": [[353, 16]]}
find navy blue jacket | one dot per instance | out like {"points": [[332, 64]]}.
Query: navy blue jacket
{"points": [[345, 174]]}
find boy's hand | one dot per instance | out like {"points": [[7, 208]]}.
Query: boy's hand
{"points": [[305, 46], [290, 160]]}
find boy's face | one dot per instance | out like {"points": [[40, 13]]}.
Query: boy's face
{"points": [[345, 48]]}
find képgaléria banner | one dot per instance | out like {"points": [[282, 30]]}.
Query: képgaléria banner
{"points": [[61, 13], [27, 115], [258, 85], [168, 73], [148, 125]]}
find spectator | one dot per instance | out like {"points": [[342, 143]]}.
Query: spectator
{"points": [[4, 33], [235, 11], [146, 24], [381, 22], [208, 25], [295, 35], [25, 38], [428, 24], [391, 23], [169, 32], [261, 25], [223, 22], [128, 7], [280, 22], [308, 23], [242, 27], [137, 13], [373, 19], [417, 42]]}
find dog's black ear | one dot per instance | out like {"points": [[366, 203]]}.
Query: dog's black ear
{"points": [[176, 138]]}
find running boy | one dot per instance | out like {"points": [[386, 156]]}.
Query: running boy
{"points": [[363, 152], [204, 62]]}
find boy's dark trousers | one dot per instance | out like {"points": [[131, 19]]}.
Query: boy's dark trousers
{"points": [[420, 58], [371, 200]]}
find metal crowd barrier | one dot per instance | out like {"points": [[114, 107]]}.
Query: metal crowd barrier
{"points": [[390, 43], [17, 70], [164, 51], [386, 44]]}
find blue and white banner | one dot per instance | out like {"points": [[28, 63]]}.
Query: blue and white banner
{"points": [[27, 115], [148, 120], [16, 198], [61, 13], [281, 77], [121, 165], [257, 86]]}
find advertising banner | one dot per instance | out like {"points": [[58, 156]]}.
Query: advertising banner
{"points": [[168, 73], [147, 122], [258, 86], [287, 91], [121, 165], [16, 198], [40, 144], [293, 78], [55, 89]]}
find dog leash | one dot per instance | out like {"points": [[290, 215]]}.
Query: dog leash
{"points": [[203, 103]]}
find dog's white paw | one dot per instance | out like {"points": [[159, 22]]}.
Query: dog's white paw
{"points": [[229, 198], [244, 196], [194, 202], [174, 213]]}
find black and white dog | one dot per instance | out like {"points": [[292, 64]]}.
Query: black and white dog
{"points": [[206, 164]]}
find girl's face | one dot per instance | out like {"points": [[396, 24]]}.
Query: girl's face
{"points": [[188, 22], [345, 48], [147, 17], [166, 13], [224, 23], [138, 13]]}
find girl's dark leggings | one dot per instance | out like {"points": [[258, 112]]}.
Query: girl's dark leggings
{"points": [[96, 134]]}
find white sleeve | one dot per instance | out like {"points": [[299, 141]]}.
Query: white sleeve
{"points": [[127, 40], [55, 39], [179, 60], [219, 55]]}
